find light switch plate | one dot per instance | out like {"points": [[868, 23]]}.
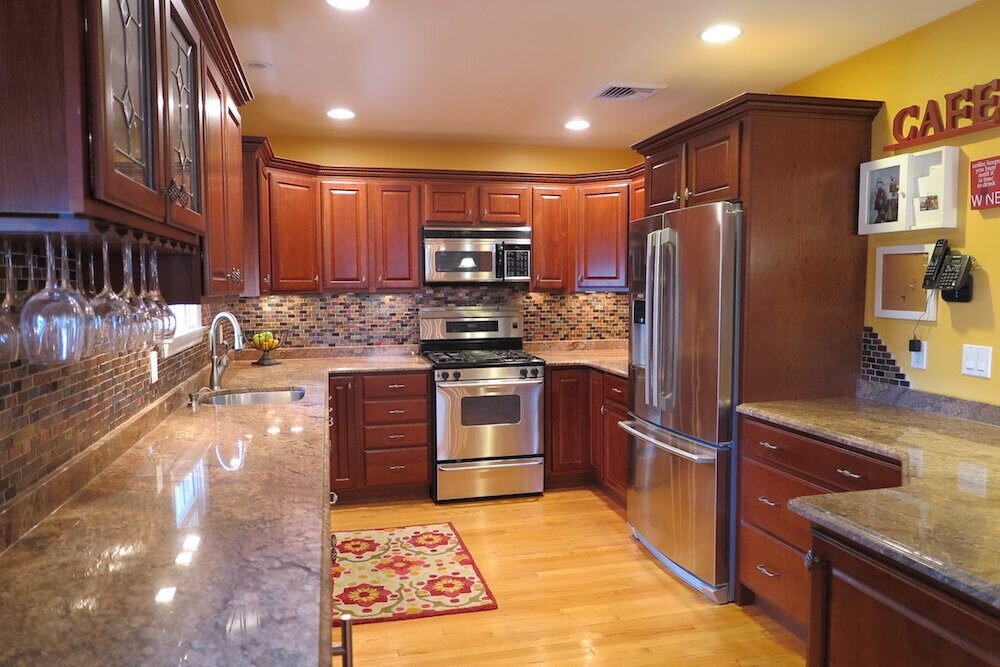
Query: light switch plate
{"points": [[977, 361], [918, 360]]}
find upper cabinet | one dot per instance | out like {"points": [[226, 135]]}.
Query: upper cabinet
{"points": [[602, 237], [460, 203], [552, 214], [293, 213], [665, 179], [450, 202], [637, 198], [344, 206], [700, 170], [505, 204], [395, 224]]}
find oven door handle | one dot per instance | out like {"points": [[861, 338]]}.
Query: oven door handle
{"points": [[490, 383], [489, 466]]}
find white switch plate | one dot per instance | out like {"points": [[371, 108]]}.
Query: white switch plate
{"points": [[977, 360], [919, 359]]}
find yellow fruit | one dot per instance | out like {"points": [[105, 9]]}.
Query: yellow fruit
{"points": [[268, 336], [257, 340]]}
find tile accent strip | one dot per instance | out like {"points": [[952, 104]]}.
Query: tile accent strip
{"points": [[877, 363]]}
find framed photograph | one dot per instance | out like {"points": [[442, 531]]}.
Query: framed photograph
{"points": [[899, 274], [883, 206]]}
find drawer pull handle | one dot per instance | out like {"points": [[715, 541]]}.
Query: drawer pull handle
{"points": [[767, 572], [766, 445], [397, 436], [768, 501], [397, 467], [330, 422], [397, 412], [397, 386], [847, 473], [616, 390]]}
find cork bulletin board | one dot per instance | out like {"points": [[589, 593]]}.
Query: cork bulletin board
{"points": [[899, 272]]}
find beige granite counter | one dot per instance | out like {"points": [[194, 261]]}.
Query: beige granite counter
{"points": [[610, 361], [944, 521], [205, 543]]}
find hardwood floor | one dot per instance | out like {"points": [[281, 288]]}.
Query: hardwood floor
{"points": [[573, 588]]}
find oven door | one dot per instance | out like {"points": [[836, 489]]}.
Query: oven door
{"points": [[480, 419], [460, 261]]}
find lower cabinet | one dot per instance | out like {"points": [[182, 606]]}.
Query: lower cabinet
{"points": [[873, 611], [380, 434], [775, 466], [583, 442]]}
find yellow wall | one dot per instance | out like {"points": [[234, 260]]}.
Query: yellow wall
{"points": [[949, 54], [451, 155]]}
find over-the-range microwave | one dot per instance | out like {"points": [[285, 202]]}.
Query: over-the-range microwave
{"points": [[477, 254]]}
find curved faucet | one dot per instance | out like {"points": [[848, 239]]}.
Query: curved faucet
{"points": [[220, 361]]}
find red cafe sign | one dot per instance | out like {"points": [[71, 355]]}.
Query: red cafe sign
{"points": [[964, 111]]}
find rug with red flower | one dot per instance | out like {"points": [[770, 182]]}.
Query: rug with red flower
{"points": [[392, 574]]}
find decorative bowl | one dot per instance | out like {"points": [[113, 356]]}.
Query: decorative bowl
{"points": [[265, 340]]}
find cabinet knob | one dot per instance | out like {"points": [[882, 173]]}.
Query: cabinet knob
{"points": [[811, 560], [380, 280], [330, 422], [687, 194], [364, 279], [676, 198], [468, 213], [316, 278], [484, 212]]}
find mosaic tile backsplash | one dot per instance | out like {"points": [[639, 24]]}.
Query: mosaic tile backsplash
{"points": [[324, 320], [877, 363]]}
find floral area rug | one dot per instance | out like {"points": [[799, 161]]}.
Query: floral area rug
{"points": [[392, 574]]}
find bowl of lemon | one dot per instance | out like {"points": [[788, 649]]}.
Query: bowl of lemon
{"points": [[266, 342]]}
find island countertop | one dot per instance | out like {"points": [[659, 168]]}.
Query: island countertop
{"points": [[205, 543], [613, 361], [944, 521]]}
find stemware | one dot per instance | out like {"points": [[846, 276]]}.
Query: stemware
{"points": [[169, 319], [21, 298], [53, 324], [9, 336], [153, 311], [91, 331], [140, 326], [111, 309]]}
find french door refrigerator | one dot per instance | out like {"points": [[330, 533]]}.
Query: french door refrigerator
{"points": [[681, 374]]}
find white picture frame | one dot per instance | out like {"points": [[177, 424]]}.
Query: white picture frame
{"points": [[882, 202], [883, 307], [935, 188]]}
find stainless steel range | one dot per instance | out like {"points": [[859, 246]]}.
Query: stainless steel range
{"points": [[489, 403]]}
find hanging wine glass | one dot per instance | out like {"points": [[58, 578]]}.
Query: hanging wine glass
{"points": [[169, 319], [53, 325], [141, 328], [112, 310], [152, 308], [21, 298], [9, 336], [91, 332]]}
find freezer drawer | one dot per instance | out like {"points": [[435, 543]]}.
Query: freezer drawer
{"points": [[677, 504], [483, 479]]}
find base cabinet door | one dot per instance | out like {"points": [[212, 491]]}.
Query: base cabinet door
{"points": [[345, 455], [569, 446], [596, 424], [866, 611], [615, 451]]}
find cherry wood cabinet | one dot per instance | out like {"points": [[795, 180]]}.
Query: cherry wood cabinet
{"points": [[595, 423], [602, 236], [293, 215], [505, 204], [567, 453], [551, 220], [233, 168], [866, 609], [615, 477], [712, 166], [395, 222], [664, 177], [380, 435], [450, 202], [344, 214], [637, 198]]}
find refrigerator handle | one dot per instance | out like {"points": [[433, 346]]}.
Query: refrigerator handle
{"points": [[668, 287], [628, 427], [652, 366]]}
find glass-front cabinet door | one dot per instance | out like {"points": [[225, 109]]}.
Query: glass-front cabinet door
{"points": [[124, 127], [182, 99]]}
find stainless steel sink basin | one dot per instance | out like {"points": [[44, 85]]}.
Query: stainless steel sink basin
{"points": [[253, 396]]}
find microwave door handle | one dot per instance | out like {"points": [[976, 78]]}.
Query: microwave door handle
{"points": [[500, 252], [652, 318]]}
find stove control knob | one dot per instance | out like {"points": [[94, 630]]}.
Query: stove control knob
{"points": [[457, 374], [534, 372], [524, 372], [444, 375]]}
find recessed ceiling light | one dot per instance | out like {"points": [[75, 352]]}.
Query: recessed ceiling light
{"points": [[258, 64], [348, 5], [340, 114], [723, 32], [576, 124]]}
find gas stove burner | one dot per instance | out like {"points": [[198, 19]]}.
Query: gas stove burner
{"points": [[482, 358]]}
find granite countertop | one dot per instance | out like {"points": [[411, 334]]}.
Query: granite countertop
{"points": [[611, 361], [944, 521], [207, 542]]}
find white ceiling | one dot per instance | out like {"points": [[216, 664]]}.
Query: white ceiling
{"points": [[516, 70]]}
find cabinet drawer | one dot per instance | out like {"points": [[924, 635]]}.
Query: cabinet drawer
{"points": [[389, 467], [388, 437], [615, 389], [833, 465], [391, 386], [775, 572], [764, 496], [395, 412]]}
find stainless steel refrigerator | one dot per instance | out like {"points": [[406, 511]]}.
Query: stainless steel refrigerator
{"points": [[683, 287]]}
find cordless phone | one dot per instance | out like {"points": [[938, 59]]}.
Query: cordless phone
{"points": [[934, 266], [954, 272]]}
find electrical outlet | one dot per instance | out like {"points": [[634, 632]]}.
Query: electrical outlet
{"points": [[977, 361], [918, 360]]}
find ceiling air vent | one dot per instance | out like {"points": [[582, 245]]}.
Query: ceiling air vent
{"points": [[626, 92]]}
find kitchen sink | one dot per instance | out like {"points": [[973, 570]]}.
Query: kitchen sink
{"points": [[252, 396]]}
